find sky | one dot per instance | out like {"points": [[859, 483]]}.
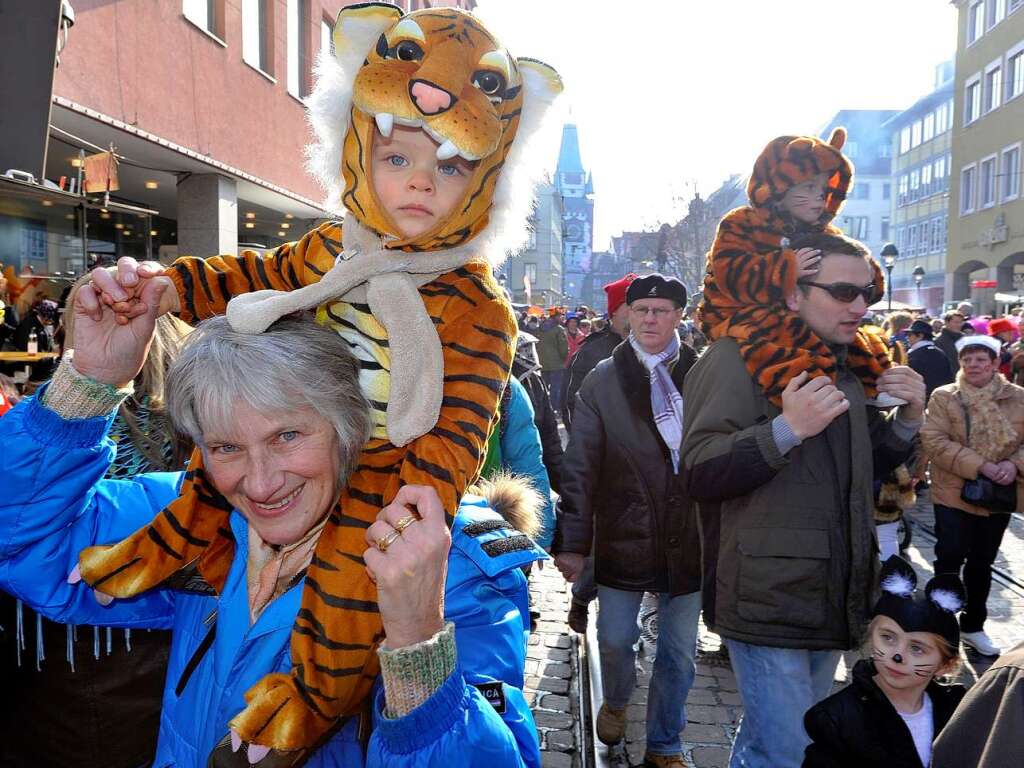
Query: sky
{"points": [[673, 96]]}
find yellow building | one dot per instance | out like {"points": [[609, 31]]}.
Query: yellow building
{"points": [[986, 216]]}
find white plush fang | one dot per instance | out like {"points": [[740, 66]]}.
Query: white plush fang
{"points": [[447, 151], [946, 600], [433, 134], [896, 584], [385, 122]]}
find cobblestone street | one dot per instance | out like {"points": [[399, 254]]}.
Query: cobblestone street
{"points": [[552, 672]]}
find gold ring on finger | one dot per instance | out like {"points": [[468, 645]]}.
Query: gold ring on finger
{"points": [[405, 522], [386, 541]]}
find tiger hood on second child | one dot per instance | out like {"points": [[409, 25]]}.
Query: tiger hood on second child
{"points": [[752, 268]]}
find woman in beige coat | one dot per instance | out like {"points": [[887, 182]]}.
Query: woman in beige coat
{"points": [[969, 536]]}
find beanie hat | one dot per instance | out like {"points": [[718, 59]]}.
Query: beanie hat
{"points": [[979, 340], [935, 611], [616, 292], [999, 325], [657, 286]]}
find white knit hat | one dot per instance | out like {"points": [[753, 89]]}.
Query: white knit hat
{"points": [[979, 340]]}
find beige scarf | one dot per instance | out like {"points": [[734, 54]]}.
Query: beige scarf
{"points": [[389, 281], [991, 433], [271, 570]]}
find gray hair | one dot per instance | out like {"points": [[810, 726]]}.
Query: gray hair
{"points": [[294, 363]]}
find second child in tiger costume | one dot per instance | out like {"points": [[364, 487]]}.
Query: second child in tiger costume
{"points": [[797, 187], [424, 128]]}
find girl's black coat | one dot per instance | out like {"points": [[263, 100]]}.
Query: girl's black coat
{"points": [[859, 728]]}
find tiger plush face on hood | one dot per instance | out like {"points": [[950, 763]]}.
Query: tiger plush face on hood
{"points": [[441, 71], [791, 160]]}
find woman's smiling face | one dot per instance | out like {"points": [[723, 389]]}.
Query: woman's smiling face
{"points": [[281, 471]]}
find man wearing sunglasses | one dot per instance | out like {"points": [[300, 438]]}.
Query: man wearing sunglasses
{"points": [[786, 498]]}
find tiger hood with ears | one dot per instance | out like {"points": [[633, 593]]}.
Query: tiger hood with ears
{"points": [[424, 316], [751, 270], [440, 70]]}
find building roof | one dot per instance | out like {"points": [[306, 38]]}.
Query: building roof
{"points": [[920, 107]]}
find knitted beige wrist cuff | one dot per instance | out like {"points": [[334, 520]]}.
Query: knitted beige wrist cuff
{"points": [[412, 674], [74, 396]]}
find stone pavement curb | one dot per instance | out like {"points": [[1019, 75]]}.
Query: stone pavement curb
{"points": [[552, 672]]}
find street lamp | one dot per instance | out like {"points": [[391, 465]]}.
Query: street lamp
{"points": [[918, 277], [889, 255]]}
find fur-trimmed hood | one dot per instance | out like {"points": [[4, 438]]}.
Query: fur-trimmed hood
{"points": [[496, 116], [515, 499]]}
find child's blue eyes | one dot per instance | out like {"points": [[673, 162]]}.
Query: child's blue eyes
{"points": [[447, 169]]}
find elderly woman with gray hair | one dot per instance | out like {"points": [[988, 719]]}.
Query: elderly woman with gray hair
{"points": [[453, 604]]}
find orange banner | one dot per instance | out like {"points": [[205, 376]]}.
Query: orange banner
{"points": [[101, 173]]}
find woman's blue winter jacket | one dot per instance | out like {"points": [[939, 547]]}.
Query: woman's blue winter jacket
{"points": [[54, 503]]}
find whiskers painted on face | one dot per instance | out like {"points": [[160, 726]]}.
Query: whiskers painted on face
{"points": [[879, 654], [925, 670]]}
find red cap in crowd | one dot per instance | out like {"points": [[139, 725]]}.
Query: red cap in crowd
{"points": [[999, 325], [616, 292]]}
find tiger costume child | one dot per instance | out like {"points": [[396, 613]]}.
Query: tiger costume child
{"points": [[424, 316], [751, 270]]}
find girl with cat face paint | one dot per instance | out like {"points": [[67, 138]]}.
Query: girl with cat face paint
{"points": [[895, 705]]}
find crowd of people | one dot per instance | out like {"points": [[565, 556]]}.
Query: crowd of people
{"points": [[329, 470], [784, 454]]}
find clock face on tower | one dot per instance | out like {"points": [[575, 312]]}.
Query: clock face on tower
{"points": [[574, 231]]}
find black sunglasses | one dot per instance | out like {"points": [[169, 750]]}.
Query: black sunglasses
{"points": [[848, 292]]}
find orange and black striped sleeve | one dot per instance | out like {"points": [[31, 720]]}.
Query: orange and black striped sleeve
{"points": [[477, 348], [745, 270], [205, 286]]}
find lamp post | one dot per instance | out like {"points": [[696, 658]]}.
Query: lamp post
{"points": [[918, 277], [889, 255]]}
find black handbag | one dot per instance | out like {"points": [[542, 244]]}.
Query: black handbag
{"points": [[982, 492]]}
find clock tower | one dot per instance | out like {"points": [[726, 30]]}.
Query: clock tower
{"points": [[576, 188]]}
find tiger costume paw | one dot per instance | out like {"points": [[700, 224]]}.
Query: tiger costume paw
{"points": [[101, 597], [277, 715], [233, 752]]}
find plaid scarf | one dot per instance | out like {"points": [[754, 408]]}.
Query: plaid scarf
{"points": [[666, 402]]}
